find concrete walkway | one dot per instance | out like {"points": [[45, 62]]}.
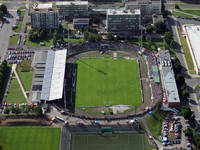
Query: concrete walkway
{"points": [[14, 66]]}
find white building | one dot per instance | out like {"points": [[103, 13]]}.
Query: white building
{"points": [[147, 7], [44, 16], [170, 92], [192, 34], [72, 8], [124, 23]]}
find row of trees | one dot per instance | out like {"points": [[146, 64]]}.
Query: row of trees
{"points": [[4, 68], [3, 11], [24, 109], [92, 37]]}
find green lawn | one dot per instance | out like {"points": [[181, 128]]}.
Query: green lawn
{"points": [[178, 13], [26, 78], [49, 42], [15, 95], [153, 45], [106, 81], [75, 41], [113, 142], [192, 11], [18, 26], [187, 54], [154, 123], [29, 138], [13, 40]]}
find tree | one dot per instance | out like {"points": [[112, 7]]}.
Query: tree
{"points": [[149, 29], [38, 110], [3, 8], [160, 27], [186, 112], [6, 110], [110, 36], [177, 6], [168, 37], [1, 15], [188, 132], [1, 148]]}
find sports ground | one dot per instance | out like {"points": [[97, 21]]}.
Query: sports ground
{"points": [[107, 81], [29, 138], [110, 142]]}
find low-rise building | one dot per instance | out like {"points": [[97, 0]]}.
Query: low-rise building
{"points": [[44, 16], [71, 9], [157, 18], [170, 92], [81, 23], [123, 23], [147, 7]]}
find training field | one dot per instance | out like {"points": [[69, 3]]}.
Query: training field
{"points": [[113, 142], [29, 138], [106, 81]]}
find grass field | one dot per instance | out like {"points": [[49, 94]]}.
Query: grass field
{"points": [[15, 95], [105, 81], [178, 13], [114, 142], [186, 50], [13, 40], [26, 78], [195, 12], [29, 138]]}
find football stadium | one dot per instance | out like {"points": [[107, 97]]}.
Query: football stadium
{"points": [[96, 80]]}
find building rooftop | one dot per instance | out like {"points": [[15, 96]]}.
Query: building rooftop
{"points": [[193, 35], [52, 87], [72, 3], [43, 6], [81, 20], [168, 77], [123, 12]]}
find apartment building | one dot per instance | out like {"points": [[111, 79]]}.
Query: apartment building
{"points": [[44, 16], [71, 9], [124, 23], [147, 7]]}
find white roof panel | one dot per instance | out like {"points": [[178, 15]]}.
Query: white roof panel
{"points": [[52, 87]]}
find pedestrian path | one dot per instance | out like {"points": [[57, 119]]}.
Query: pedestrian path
{"points": [[19, 81]]}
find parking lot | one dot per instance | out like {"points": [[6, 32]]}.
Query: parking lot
{"points": [[14, 56]]}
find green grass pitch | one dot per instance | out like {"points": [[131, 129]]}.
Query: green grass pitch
{"points": [[106, 81], [29, 138], [112, 142]]}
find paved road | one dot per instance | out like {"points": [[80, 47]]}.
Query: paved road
{"points": [[5, 33]]}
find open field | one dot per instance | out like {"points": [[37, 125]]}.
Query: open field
{"points": [[113, 142], [29, 138], [106, 81], [13, 40], [15, 95], [186, 50], [178, 13], [195, 12]]}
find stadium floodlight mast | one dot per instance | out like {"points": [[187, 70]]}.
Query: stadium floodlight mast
{"points": [[141, 34]]}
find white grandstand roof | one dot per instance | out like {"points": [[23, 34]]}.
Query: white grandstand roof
{"points": [[52, 87], [193, 34]]}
